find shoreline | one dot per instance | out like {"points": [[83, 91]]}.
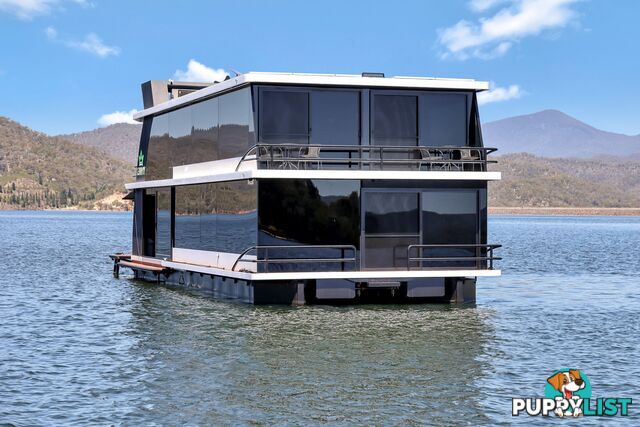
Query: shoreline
{"points": [[551, 211], [493, 210]]}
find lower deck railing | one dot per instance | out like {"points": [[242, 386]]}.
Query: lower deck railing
{"points": [[345, 257], [469, 255], [272, 255]]}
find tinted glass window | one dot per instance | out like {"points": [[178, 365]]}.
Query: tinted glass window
{"points": [[208, 217], [216, 217], [163, 224], [444, 119], [236, 204], [449, 217], [284, 116], [391, 213], [204, 131], [335, 117], [159, 150], [180, 136], [188, 210], [395, 120], [235, 123]]}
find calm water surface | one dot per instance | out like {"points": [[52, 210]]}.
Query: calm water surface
{"points": [[79, 347]]}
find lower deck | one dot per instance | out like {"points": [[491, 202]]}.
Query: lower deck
{"points": [[435, 286]]}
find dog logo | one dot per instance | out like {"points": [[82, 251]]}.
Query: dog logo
{"points": [[568, 385]]}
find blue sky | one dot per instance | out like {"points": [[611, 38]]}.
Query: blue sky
{"points": [[65, 64]]}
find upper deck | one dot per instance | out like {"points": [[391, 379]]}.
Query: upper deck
{"points": [[310, 124]]}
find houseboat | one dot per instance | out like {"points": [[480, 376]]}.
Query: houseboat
{"points": [[282, 188]]}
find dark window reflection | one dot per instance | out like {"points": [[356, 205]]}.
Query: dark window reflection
{"points": [[284, 116], [450, 217], [204, 132], [180, 136], [395, 120], [335, 117], [216, 217], [444, 119], [188, 211], [159, 150], [236, 123], [163, 223], [309, 212], [214, 129], [391, 213]]}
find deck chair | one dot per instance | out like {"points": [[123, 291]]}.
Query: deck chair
{"points": [[428, 158], [471, 155], [309, 154]]}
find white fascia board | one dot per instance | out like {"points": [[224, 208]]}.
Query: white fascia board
{"points": [[319, 174], [353, 275], [346, 80]]}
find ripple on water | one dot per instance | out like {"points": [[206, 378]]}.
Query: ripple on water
{"points": [[79, 347]]}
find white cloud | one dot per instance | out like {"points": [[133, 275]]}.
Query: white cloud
{"points": [[499, 94], [118, 117], [28, 9], [91, 43], [482, 5], [493, 36], [51, 33], [197, 72]]}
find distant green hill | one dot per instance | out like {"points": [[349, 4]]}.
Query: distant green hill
{"points": [[38, 171], [531, 181]]}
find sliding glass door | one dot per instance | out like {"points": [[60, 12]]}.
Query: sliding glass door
{"points": [[449, 217], [446, 220], [391, 224]]}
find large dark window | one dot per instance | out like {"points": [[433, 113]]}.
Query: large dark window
{"points": [[444, 119], [159, 151], [390, 212], [450, 218], [187, 216], [284, 116], [180, 136], [335, 117], [395, 120], [309, 212], [216, 217], [209, 130], [236, 123], [391, 223], [204, 131], [163, 223]]}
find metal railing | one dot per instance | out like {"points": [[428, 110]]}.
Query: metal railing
{"points": [[262, 256], [368, 157], [483, 255], [482, 260]]}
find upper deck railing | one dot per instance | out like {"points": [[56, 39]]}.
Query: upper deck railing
{"points": [[368, 157]]}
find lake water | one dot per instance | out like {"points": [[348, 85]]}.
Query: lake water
{"points": [[79, 347]]}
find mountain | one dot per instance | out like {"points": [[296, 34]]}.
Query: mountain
{"points": [[531, 181], [552, 133], [39, 171], [119, 140]]}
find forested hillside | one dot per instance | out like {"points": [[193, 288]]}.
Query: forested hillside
{"points": [[38, 171]]}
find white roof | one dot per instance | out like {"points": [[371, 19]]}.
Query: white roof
{"points": [[316, 80]]}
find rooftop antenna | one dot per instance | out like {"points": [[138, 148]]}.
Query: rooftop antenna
{"points": [[234, 71]]}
